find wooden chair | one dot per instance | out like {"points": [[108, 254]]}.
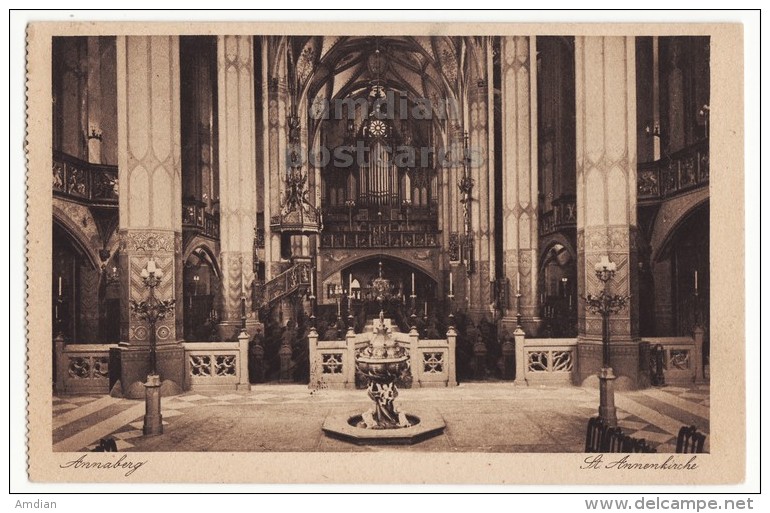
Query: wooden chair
{"points": [[602, 438], [614, 440], [106, 445], [690, 440], [637, 445], [595, 435]]}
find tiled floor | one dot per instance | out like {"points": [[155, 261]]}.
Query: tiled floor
{"points": [[480, 417]]}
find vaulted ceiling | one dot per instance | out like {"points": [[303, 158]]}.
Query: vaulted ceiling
{"points": [[338, 66], [435, 68]]}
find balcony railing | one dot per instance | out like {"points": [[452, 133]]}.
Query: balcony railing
{"points": [[195, 217], [562, 216], [382, 235], [682, 171], [283, 284], [340, 213], [84, 181]]}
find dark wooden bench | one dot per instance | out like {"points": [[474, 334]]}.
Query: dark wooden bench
{"points": [[690, 440]]}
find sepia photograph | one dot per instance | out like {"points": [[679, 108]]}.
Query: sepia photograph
{"points": [[467, 244]]}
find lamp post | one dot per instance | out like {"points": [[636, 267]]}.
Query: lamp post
{"points": [[606, 304], [152, 310]]}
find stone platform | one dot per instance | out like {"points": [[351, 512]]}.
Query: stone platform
{"points": [[424, 426], [479, 417]]}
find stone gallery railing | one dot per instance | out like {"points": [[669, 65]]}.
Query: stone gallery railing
{"points": [[196, 218], [431, 362], [84, 181], [212, 366], [81, 369], [562, 216], [682, 357], [546, 360], [682, 171]]}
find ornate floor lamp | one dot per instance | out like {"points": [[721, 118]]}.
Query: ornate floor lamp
{"points": [[606, 304], [152, 310]]}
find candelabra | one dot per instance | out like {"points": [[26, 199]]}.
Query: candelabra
{"points": [[351, 319], [451, 297], [152, 310], [312, 298], [406, 205], [351, 204], [243, 313], [338, 294], [58, 311], [465, 184], [110, 275], [697, 318], [605, 305], [653, 130]]}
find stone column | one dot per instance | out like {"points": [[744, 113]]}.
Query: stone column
{"points": [[479, 293], [605, 91], [150, 207], [98, 102], [237, 179], [315, 370], [454, 215], [519, 338], [243, 360], [265, 190], [674, 131], [519, 153], [71, 57], [93, 128], [451, 338], [275, 149], [664, 308]]}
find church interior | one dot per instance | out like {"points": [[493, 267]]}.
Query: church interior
{"points": [[293, 187]]}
